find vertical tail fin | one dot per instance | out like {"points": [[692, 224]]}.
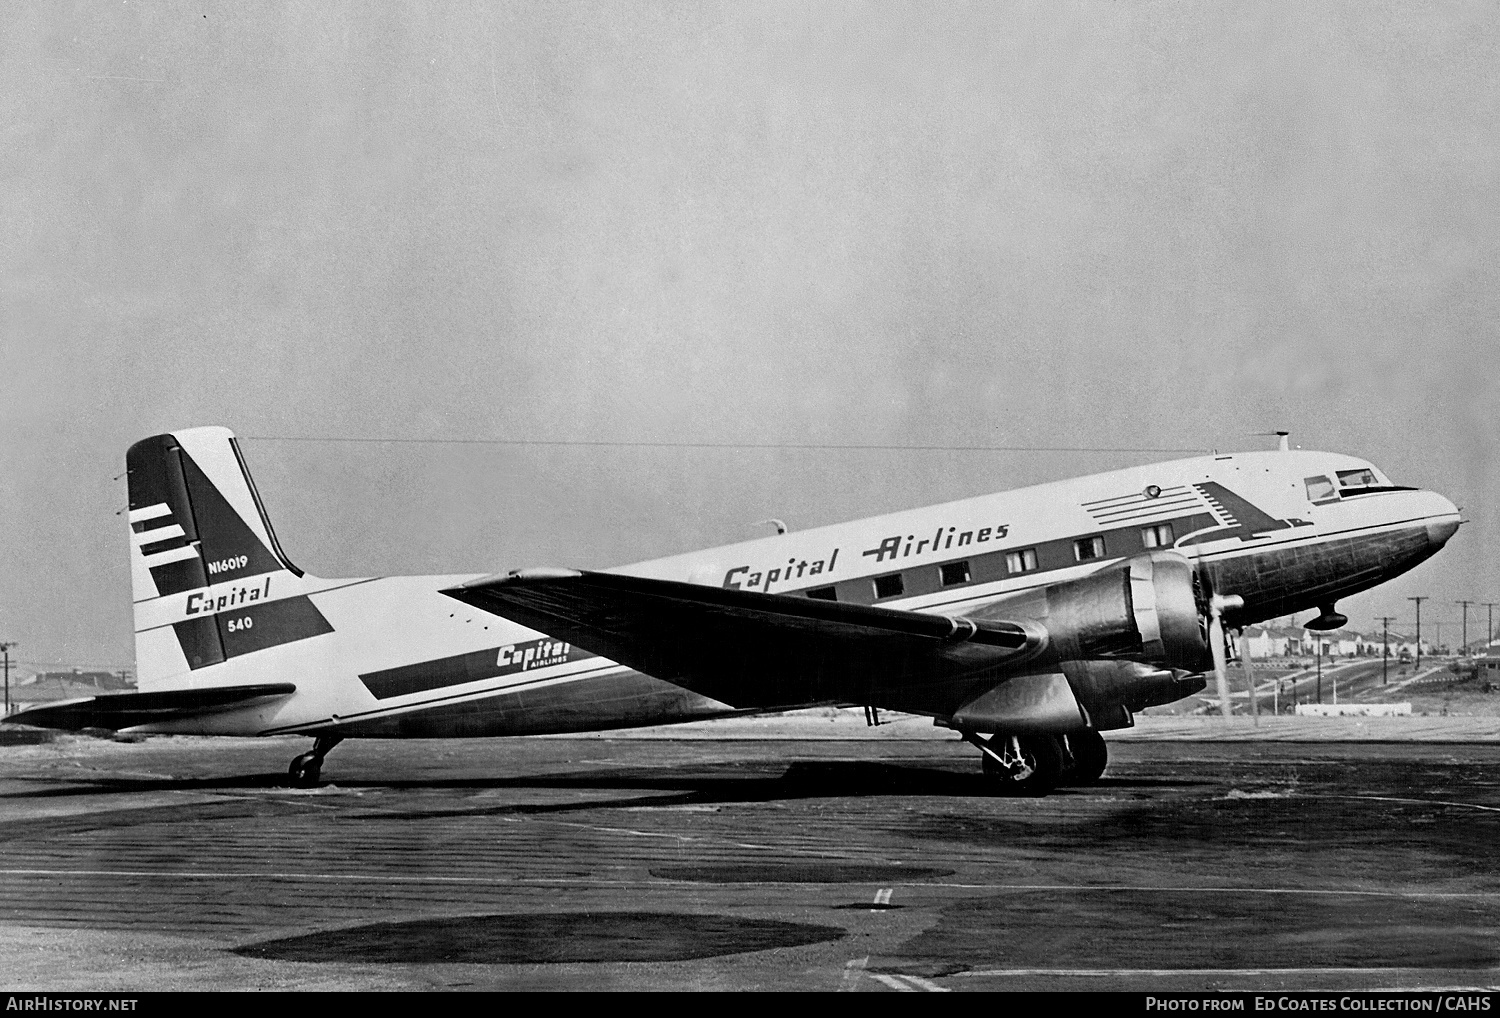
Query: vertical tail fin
{"points": [[196, 522]]}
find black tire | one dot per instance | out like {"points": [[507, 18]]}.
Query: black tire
{"points": [[304, 771], [1090, 756], [1042, 753]]}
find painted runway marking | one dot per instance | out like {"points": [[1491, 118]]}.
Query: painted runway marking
{"points": [[883, 897], [905, 983], [1157, 973], [853, 969], [1422, 802], [1163, 889], [637, 834]]}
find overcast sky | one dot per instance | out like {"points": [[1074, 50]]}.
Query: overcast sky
{"points": [[1104, 225]]}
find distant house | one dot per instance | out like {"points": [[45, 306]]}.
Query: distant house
{"points": [[1271, 641], [1294, 641], [1334, 643], [1489, 664]]}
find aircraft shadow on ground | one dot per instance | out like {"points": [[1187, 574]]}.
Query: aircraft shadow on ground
{"points": [[694, 785], [545, 938]]}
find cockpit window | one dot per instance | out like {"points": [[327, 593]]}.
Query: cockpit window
{"points": [[1320, 489], [1361, 478]]}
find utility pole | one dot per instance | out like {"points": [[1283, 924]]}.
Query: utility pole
{"points": [[5, 647], [1385, 647], [1465, 650], [1419, 601], [1489, 632]]}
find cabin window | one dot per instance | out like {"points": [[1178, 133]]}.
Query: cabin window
{"points": [[1320, 489], [955, 573], [1159, 536], [889, 586], [1361, 478], [1088, 548], [1023, 561], [823, 594]]}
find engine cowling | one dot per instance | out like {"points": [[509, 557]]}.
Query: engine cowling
{"points": [[1116, 641], [1146, 610]]}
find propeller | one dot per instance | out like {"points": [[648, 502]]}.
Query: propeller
{"points": [[1216, 606]]}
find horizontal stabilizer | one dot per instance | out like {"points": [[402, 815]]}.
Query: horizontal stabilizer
{"points": [[126, 710], [753, 650]]}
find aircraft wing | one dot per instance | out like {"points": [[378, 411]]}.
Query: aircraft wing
{"points": [[126, 710], [753, 650]]}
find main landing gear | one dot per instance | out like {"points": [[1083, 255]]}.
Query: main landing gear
{"points": [[305, 768], [1036, 764]]}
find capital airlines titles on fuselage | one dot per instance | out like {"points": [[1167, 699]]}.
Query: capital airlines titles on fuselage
{"points": [[896, 546]]}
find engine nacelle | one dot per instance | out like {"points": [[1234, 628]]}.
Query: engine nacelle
{"points": [[1104, 687], [1144, 610]]}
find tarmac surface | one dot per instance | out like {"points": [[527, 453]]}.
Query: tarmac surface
{"points": [[800, 861]]}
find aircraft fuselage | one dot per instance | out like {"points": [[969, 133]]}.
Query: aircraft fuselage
{"points": [[1284, 531]]}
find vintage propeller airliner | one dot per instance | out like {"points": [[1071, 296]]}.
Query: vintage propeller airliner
{"points": [[1027, 621]]}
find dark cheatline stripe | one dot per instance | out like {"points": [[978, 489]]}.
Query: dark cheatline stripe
{"points": [[991, 566], [200, 641], [211, 639], [471, 667]]}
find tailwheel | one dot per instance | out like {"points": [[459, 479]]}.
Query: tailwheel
{"points": [[1089, 756], [1022, 764], [305, 769]]}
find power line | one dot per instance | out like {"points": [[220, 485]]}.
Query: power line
{"points": [[711, 445]]}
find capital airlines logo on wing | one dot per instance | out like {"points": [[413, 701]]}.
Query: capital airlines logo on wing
{"points": [[523, 657]]}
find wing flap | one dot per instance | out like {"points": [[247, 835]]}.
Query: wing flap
{"points": [[754, 650], [115, 711]]}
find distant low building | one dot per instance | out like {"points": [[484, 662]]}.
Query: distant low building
{"points": [[1489, 665], [1265, 642], [1271, 641], [51, 687]]}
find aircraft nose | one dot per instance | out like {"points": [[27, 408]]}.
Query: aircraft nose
{"points": [[1438, 531], [1443, 522]]}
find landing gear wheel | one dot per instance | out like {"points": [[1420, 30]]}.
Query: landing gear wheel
{"points": [[305, 769], [1090, 757], [1035, 764]]}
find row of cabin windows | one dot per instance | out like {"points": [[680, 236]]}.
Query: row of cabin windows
{"points": [[1023, 561]]}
